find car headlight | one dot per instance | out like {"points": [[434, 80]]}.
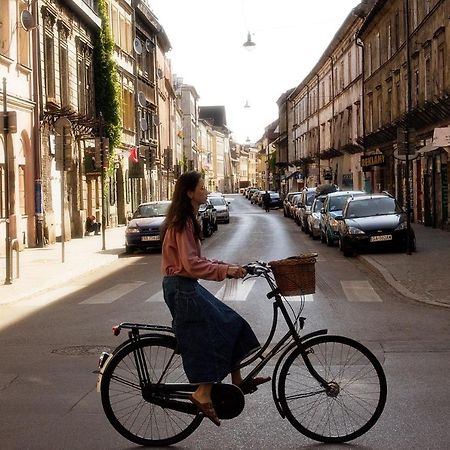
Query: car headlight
{"points": [[132, 230], [354, 230], [334, 223], [402, 226]]}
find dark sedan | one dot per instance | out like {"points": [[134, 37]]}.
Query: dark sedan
{"points": [[144, 226], [372, 222]]}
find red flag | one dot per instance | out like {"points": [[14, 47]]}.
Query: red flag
{"points": [[134, 155]]}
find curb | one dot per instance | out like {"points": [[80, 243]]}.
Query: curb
{"points": [[389, 278]]}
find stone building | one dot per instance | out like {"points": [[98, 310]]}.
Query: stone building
{"points": [[20, 175], [406, 102]]}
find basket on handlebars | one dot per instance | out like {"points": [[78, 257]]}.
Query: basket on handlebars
{"points": [[295, 275]]}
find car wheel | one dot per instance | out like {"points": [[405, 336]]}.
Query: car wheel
{"points": [[328, 240], [207, 229], [345, 250], [129, 249], [322, 237]]}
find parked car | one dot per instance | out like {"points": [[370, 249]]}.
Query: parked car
{"points": [[254, 199], [275, 200], [304, 206], [287, 203], [207, 217], [332, 207], [143, 229], [221, 206], [250, 193], [294, 206], [313, 216], [373, 221]]}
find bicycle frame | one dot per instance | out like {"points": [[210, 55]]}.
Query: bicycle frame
{"points": [[174, 395]]}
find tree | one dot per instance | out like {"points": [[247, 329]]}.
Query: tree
{"points": [[107, 87]]}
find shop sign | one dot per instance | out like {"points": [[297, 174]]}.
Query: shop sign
{"points": [[372, 160]]}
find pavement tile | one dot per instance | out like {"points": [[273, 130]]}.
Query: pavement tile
{"points": [[41, 269]]}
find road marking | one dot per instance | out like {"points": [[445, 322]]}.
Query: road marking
{"points": [[158, 297], [113, 293], [234, 290], [359, 291]]}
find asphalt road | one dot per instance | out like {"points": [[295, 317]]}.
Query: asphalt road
{"points": [[47, 385]]}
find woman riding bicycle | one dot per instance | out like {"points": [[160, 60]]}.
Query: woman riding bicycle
{"points": [[212, 338]]}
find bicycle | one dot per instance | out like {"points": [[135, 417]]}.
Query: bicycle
{"points": [[330, 388]]}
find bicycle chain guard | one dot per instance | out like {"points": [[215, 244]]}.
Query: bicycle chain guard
{"points": [[228, 400]]}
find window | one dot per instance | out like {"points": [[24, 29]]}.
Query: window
{"points": [[389, 42], [85, 80], [370, 111], [396, 38], [379, 108], [23, 39], [349, 68], [2, 192], [5, 31], [63, 69], [49, 54], [389, 104], [22, 204], [342, 75], [428, 79], [377, 52], [369, 59], [127, 104], [440, 69]]}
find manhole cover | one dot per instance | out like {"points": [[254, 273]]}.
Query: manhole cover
{"points": [[79, 350]]}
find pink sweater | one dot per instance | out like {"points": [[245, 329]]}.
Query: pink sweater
{"points": [[181, 255]]}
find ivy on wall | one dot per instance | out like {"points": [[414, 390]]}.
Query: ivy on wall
{"points": [[107, 87]]}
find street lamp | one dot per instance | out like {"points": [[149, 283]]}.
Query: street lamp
{"points": [[249, 44]]}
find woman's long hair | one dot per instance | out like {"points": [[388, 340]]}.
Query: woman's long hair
{"points": [[181, 209]]}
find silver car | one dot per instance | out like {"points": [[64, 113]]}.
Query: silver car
{"points": [[221, 207], [313, 217]]}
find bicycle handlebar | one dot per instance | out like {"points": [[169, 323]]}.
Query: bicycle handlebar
{"points": [[257, 268]]}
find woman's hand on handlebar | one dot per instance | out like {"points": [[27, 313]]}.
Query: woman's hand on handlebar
{"points": [[236, 272]]}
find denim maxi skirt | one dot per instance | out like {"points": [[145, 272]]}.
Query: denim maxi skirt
{"points": [[212, 338]]}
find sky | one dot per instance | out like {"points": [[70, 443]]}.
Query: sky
{"points": [[207, 39]]}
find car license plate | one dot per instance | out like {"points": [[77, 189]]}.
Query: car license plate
{"points": [[150, 238], [384, 237]]}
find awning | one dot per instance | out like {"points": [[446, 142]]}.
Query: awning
{"points": [[293, 174], [427, 149]]}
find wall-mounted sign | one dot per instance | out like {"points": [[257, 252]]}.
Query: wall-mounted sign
{"points": [[372, 160]]}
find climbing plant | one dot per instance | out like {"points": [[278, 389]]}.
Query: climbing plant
{"points": [[107, 87]]}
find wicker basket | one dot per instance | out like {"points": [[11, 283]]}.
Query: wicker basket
{"points": [[295, 275]]}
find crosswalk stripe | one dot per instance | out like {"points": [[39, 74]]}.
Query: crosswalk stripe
{"points": [[359, 291], [235, 290], [157, 297], [113, 293]]}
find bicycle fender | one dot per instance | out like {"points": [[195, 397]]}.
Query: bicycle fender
{"points": [[120, 347], [308, 336]]}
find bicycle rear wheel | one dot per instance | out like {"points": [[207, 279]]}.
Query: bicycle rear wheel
{"points": [[135, 418], [353, 400]]}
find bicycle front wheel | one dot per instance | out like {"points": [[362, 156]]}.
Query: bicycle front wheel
{"points": [[353, 399], [134, 417]]}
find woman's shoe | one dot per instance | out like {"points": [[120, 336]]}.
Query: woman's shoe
{"points": [[251, 385], [207, 409]]}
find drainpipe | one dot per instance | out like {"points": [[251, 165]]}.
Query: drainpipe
{"points": [[38, 201], [407, 129], [360, 44], [318, 126]]}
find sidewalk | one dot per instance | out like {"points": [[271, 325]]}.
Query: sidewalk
{"points": [[41, 269], [422, 276]]}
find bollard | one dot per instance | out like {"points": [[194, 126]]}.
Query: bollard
{"points": [[15, 246]]}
